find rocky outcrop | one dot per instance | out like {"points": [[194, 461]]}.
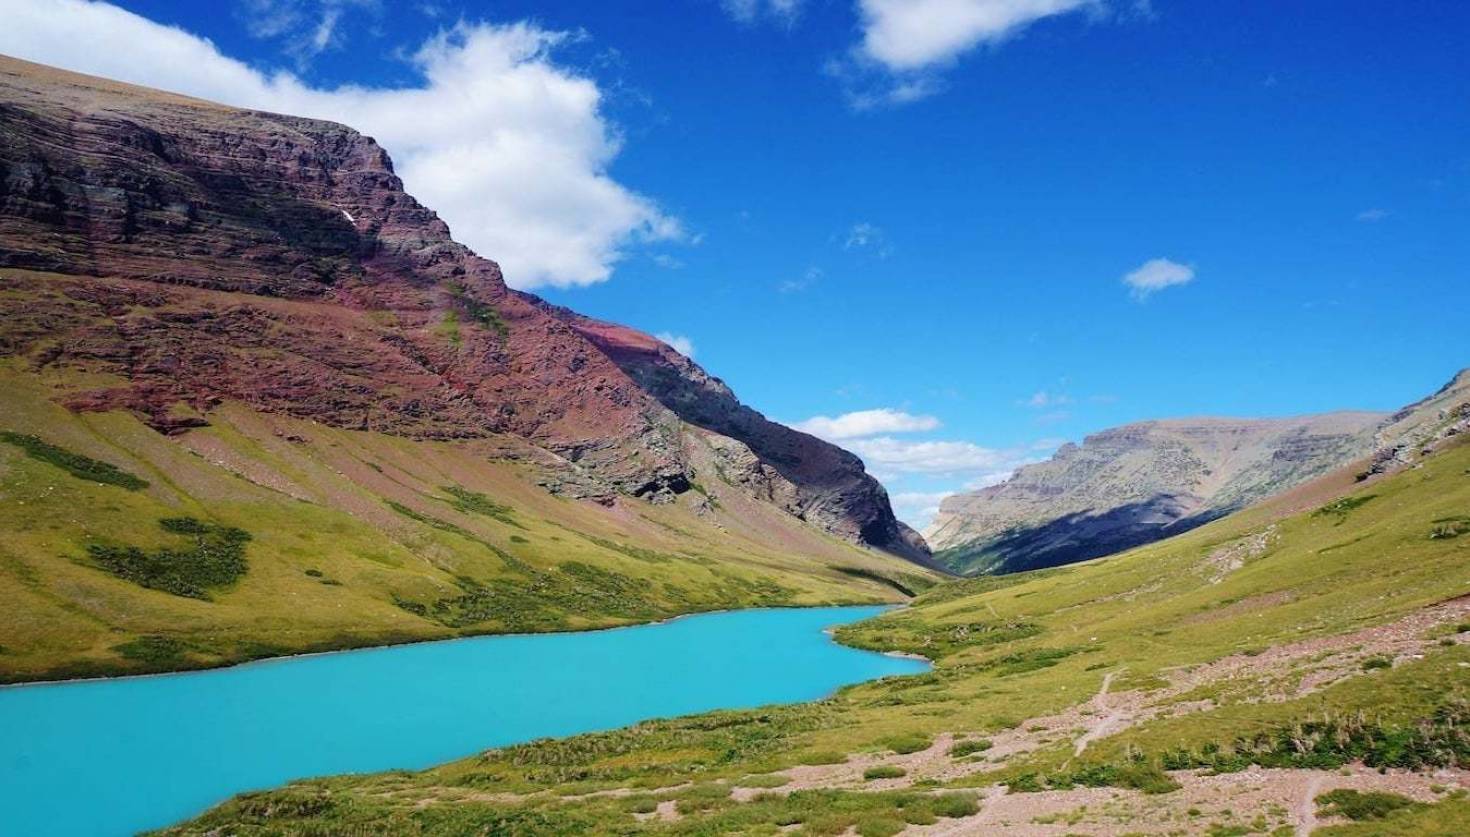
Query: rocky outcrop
{"points": [[806, 476], [1418, 429], [1139, 483], [178, 254]]}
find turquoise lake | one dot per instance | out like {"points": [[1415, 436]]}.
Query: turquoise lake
{"points": [[112, 757]]}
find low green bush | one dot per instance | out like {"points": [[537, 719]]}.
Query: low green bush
{"points": [[910, 743], [1360, 805], [966, 748], [214, 559], [79, 466], [884, 771], [955, 805]]}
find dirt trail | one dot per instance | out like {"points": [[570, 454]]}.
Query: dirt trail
{"points": [[1306, 809], [1286, 671], [1107, 721]]}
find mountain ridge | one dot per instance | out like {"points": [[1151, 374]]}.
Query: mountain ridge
{"points": [[1132, 484], [101, 178]]}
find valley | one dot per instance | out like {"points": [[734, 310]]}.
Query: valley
{"points": [[407, 550], [1156, 691]]}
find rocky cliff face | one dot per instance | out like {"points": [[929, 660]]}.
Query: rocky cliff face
{"points": [[807, 477], [176, 254], [1139, 483]]}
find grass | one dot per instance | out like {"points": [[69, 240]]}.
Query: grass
{"points": [[1013, 648], [404, 540], [79, 466], [1447, 818], [1359, 805]]}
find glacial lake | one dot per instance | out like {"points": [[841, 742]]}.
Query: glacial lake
{"points": [[112, 757]]}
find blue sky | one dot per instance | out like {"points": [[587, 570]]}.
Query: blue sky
{"points": [[921, 211]]}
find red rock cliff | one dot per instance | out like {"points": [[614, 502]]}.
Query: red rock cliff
{"points": [[193, 253]]}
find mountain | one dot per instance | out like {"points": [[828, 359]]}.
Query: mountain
{"points": [[1139, 483], [246, 313]]}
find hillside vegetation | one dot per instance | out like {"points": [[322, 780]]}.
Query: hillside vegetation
{"points": [[127, 551], [1304, 662]]}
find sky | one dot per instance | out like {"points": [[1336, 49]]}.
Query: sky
{"points": [[947, 234]]}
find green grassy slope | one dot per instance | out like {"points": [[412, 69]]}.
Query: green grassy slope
{"points": [[1256, 639], [117, 555]]}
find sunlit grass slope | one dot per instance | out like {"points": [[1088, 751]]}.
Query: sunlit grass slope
{"points": [[122, 550], [1016, 648]]}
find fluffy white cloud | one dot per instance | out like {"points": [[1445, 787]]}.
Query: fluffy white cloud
{"points": [[866, 423], [1157, 274], [510, 147], [909, 35], [681, 344]]}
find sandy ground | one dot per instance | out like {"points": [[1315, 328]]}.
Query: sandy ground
{"points": [[1267, 798]]}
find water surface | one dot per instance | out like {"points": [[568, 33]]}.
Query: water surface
{"points": [[111, 757]]}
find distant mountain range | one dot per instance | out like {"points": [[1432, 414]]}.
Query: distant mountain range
{"points": [[1142, 482]]}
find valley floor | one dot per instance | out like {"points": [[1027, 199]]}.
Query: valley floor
{"points": [[1290, 668]]}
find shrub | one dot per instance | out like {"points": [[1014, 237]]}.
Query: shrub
{"points": [[769, 780], [1358, 805], [974, 745], [955, 805], [824, 757], [884, 771], [879, 826], [216, 558], [909, 743], [641, 805], [473, 502], [1340, 509], [1373, 663], [152, 650], [79, 466]]}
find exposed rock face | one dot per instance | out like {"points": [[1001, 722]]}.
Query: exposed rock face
{"points": [[1421, 427], [178, 253], [1139, 483], [808, 477]]}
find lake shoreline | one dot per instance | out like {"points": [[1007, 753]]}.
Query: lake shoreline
{"points": [[535, 687], [378, 646]]}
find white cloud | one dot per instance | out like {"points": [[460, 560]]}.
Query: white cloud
{"points": [[906, 42], [1043, 399], [861, 235], [812, 276], [917, 508], [681, 344], [909, 35], [304, 28], [750, 11], [869, 237], [885, 455], [510, 147], [866, 423], [1157, 274], [1374, 215]]}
